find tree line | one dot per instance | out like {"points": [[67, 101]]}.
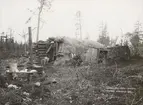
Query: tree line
{"points": [[9, 47], [135, 36]]}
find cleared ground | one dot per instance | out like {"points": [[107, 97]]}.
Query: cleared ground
{"points": [[118, 84]]}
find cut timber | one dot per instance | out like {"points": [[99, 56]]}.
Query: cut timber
{"points": [[13, 67], [35, 67], [119, 90], [49, 49], [136, 76], [42, 50]]}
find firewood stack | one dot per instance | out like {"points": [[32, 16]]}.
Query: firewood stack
{"points": [[40, 50]]}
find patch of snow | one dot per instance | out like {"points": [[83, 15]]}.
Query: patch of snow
{"points": [[12, 86]]}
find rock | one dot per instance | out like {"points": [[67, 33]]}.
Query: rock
{"points": [[37, 83]]}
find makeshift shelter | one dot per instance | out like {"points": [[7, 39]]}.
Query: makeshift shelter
{"points": [[131, 40], [62, 49], [118, 53]]}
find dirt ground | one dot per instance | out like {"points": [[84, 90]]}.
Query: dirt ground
{"points": [[84, 85]]}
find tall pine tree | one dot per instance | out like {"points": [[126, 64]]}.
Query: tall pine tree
{"points": [[103, 36]]}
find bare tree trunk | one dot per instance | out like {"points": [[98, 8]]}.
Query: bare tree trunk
{"points": [[25, 44], [39, 20], [30, 45], [42, 4]]}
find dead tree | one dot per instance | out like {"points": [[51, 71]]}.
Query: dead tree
{"points": [[43, 3], [30, 44]]}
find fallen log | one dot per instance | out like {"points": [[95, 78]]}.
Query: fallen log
{"points": [[136, 76], [119, 90]]}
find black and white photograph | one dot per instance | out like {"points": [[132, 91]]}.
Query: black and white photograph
{"points": [[71, 52]]}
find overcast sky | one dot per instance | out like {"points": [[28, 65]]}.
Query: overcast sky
{"points": [[61, 19]]}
